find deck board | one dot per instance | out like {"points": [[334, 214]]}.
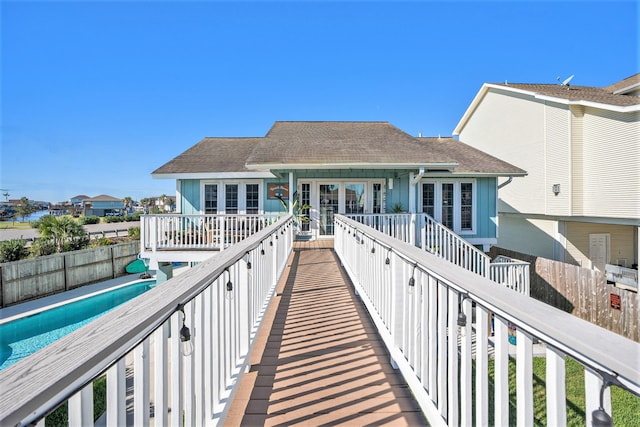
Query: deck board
{"points": [[319, 360]]}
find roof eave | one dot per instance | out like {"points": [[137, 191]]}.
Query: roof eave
{"points": [[295, 166], [258, 174]]}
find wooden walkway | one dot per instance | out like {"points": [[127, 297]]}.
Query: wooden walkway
{"points": [[318, 359]]}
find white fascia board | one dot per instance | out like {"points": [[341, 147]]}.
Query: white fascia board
{"points": [[471, 174], [215, 175], [295, 166], [472, 107]]}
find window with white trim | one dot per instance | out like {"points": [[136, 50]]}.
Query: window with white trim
{"points": [[451, 202], [231, 197]]}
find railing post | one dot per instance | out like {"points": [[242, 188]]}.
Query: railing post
{"points": [[81, 407]]}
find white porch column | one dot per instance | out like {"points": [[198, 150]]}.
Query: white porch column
{"points": [[291, 191], [412, 193]]}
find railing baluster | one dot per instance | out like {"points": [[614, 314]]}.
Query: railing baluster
{"points": [[556, 387], [482, 382], [160, 376], [81, 407], [141, 384], [524, 378], [117, 394], [177, 362], [501, 372]]}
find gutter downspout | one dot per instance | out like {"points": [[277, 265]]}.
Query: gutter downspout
{"points": [[507, 182], [418, 177]]}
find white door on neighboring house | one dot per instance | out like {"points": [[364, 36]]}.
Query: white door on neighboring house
{"points": [[599, 250]]}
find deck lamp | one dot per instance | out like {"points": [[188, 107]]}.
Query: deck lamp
{"points": [[387, 261], [373, 247], [599, 417], [248, 260], [262, 248], [185, 334], [412, 280], [462, 318], [229, 287]]}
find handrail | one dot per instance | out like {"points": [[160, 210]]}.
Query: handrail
{"points": [[34, 386], [416, 300]]}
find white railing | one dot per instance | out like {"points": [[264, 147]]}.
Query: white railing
{"points": [[188, 232], [399, 226], [434, 320], [143, 350], [441, 241], [427, 233], [511, 273]]}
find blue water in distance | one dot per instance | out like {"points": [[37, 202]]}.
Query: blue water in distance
{"points": [[24, 336]]}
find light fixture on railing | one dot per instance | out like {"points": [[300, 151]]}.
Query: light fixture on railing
{"points": [[229, 287], [261, 248], [462, 318], [412, 280], [387, 261], [599, 417], [373, 247], [248, 260], [185, 334]]}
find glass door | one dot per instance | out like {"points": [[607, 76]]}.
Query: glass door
{"points": [[354, 198], [328, 207]]}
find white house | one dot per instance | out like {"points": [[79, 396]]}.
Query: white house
{"points": [[580, 202]]}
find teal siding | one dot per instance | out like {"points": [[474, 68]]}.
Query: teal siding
{"points": [[190, 196], [486, 215]]}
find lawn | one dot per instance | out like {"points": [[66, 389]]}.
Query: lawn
{"points": [[624, 405]]}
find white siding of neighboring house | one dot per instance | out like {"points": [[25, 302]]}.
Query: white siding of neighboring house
{"points": [[611, 161], [512, 128], [557, 159], [529, 236]]}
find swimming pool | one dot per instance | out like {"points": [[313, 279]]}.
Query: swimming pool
{"points": [[25, 335]]}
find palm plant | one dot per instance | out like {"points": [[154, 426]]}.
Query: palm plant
{"points": [[300, 212], [61, 230]]}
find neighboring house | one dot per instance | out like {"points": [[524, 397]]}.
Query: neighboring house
{"points": [[580, 202], [342, 167], [103, 205], [164, 204], [78, 200]]}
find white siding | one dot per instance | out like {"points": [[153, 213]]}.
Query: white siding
{"points": [[611, 152], [557, 159], [511, 127], [529, 236]]}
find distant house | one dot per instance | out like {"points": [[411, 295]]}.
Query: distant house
{"points": [[78, 200], [580, 202], [342, 167], [103, 205]]}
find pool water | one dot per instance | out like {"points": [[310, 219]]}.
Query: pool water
{"points": [[24, 336]]}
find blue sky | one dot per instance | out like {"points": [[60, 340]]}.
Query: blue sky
{"points": [[98, 94]]}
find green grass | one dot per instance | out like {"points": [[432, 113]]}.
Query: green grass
{"points": [[18, 225], [624, 405]]}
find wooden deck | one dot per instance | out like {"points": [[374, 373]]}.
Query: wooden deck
{"points": [[318, 359]]}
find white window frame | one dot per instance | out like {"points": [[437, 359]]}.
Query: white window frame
{"points": [[242, 195], [457, 208]]}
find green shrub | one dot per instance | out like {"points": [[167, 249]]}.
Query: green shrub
{"points": [[134, 233], [101, 241], [13, 250], [91, 219], [42, 247], [109, 219], [132, 217], [77, 243]]}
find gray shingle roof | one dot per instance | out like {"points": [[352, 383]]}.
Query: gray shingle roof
{"points": [[339, 144], [583, 93], [212, 155]]}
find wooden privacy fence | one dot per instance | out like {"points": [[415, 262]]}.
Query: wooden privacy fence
{"points": [[582, 292], [29, 279]]}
